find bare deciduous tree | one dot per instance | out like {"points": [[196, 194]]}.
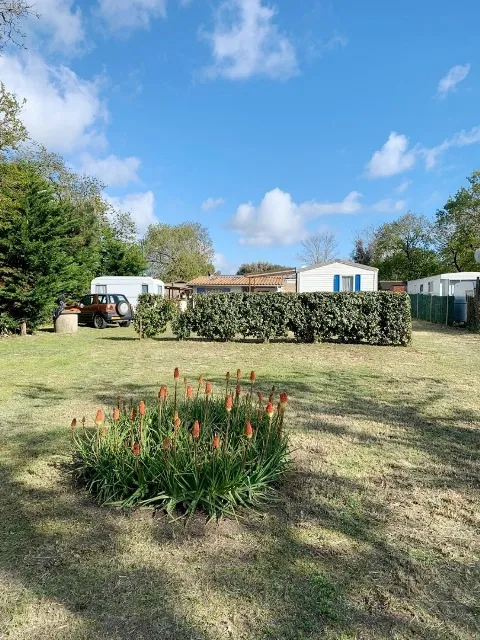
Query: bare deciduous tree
{"points": [[318, 247], [12, 12]]}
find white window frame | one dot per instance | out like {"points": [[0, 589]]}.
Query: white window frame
{"points": [[143, 288], [352, 280], [100, 288]]}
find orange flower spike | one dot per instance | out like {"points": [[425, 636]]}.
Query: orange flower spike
{"points": [[133, 413], [238, 390], [99, 418], [227, 377], [136, 449], [248, 430], [228, 403], [260, 397], [189, 392], [270, 410], [196, 429], [176, 373], [216, 441], [162, 394], [142, 409], [176, 422], [239, 374], [116, 414], [253, 376], [166, 444], [73, 424], [283, 398], [208, 388]]}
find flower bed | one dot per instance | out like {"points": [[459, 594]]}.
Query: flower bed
{"points": [[190, 449]]}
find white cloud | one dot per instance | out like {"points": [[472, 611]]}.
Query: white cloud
{"points": [[247, 42], [403, 186], [60, 20], [450, 81], [128, 15], [63, 111], [141, 206], [112, 170], [279, 220], [212, 203], [389, 206], [222, 264], [393, 158], [461, 139]]}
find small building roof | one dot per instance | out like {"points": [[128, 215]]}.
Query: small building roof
{"points": [[456, 275], [239, 281], [347, 262]]}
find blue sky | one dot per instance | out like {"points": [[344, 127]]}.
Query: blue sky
{"points": [[263, 120]]}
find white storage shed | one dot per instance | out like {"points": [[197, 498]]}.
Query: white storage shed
{"points": [[130, 286], [337, 275]]}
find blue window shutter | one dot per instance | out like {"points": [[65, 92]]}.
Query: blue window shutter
{"points": [[358, 286], [336, 283]]}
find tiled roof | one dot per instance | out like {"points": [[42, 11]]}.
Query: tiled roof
{"points": [[239, 281]]}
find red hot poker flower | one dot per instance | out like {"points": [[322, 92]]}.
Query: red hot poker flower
{"points": [[216, 441], [133, 413], [196, 429], [238, 390], [99, 417], [136, 449], [116, 414], [270, 410], [176, 423], [162, 394], [283, 398], [248, 430], [253, 376], [239, 374], [227, 377], [142, 408], [176, 373], [228, 403], [166, 444], [189, 392], [208, 388], [73, 424], [260, 397]]}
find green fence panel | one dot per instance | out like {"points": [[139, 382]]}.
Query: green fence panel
{"points": [[436, 309]]}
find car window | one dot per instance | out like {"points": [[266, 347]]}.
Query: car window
{"points": [[86, 300], [117, 298], [102, 299]]}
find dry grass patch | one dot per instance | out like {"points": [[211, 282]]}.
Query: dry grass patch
{"points": [[375, 535]]}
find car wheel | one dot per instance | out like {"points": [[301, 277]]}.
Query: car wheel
{"points": [[125, 324], [122, 308], [99, 322]]}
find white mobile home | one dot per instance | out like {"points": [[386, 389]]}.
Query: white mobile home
{"points": [[130, 286], [459, 284], [337, 275]]}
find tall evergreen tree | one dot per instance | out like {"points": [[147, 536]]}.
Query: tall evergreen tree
{"points": [[45, 245]]}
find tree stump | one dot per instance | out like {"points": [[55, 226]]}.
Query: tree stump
{"points": [[67, 322]]}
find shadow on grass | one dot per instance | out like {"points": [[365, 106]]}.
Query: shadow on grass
{"points": [[321, 563]]}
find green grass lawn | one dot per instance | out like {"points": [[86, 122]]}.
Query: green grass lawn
{"points": [[375, 534]]}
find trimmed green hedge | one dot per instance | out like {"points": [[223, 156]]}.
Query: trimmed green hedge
{"points": [[382, 318], [152, 315], [473, 315]]}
